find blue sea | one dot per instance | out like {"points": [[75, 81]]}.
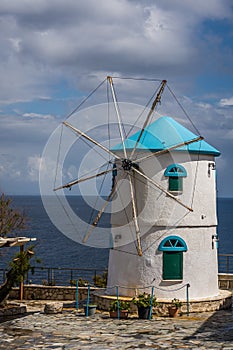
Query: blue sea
{"points": [[52, 247], [56, 250]]}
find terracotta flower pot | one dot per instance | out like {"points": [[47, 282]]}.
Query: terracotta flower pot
{"points": [[123, 314], [173, 311]]}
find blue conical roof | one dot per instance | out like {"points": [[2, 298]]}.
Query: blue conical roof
{"points": [[164, 133]]}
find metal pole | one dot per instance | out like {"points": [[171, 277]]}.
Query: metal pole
{"points": [[187, 297], [95, 277], [21, 278], [76, 294], [71, 277], [88, 300], [49, 276], [118, 306], [151, 301]]}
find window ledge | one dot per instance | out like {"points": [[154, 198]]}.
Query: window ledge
{"points": [[175, 193], [175, 280]]}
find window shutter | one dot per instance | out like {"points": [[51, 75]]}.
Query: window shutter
{"points": [[172, 265], [175, 183]]}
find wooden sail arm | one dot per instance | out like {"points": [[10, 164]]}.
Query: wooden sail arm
{"points": [[81, 133], [163, 151], [135, 219], [163, 189], [98, 216], [72, 183], [156, 101], [118, 114]]}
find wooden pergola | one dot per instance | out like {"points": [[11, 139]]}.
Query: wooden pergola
{"points": [[16, 242]]}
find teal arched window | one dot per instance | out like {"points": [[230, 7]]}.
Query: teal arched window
{"points": [[173, 248], [175, 173]]}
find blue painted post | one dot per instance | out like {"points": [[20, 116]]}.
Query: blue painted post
{"points": [[118, 306], [187, 297], [151, 301], [76, 295], [88, 300]]}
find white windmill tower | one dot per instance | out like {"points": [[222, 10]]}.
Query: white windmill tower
{"points": [[163, 208], [178, 241]]}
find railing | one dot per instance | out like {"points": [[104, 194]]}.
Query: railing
{"points": [[51, 276], [69, 276], [225, 263]]}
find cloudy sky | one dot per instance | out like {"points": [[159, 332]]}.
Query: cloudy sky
{"points": [[53, 53]]}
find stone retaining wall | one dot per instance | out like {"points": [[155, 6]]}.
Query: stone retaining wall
{"points": [[38, 292], [58, 293]]}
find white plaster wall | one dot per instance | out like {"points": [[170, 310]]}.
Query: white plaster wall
{"points": [[131, 272], [160, 216], [157, 208]]}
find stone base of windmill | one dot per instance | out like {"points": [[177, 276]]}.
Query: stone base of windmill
{"points": [[222, 301]]}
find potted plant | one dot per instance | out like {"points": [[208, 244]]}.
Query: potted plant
{"points": [[173, 309], [144, 302], [124, 307]]}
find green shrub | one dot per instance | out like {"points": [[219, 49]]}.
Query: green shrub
{"points": [[123, 305], [144, 300], [101, 280]]}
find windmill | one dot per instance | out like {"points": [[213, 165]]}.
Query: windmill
{"points": [[129, 163]]}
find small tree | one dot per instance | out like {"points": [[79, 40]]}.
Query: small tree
{"points": [[12, 221], [19, 267]]}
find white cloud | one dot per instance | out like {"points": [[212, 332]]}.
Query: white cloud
{"points": [[9, 168], [34, 163], [44, 41], [205, 105], [226, 102], [45, 45], [37, 115]]}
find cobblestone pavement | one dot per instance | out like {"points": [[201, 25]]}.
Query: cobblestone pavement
{"points": [[72, 330]]}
